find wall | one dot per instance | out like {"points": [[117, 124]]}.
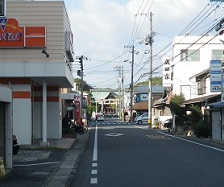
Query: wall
{"points": [[6, 125]]}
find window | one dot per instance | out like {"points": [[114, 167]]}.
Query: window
{"points": [[190, 55], [2, 8], [201, 87], [217, 54]]}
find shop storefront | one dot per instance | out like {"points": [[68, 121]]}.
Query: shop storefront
{"points": [[36, 55]]}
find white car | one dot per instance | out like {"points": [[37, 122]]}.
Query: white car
{"points": [[100, 117]]}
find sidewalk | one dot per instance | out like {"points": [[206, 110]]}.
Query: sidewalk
{"points": [[69, 164], [62, 173]]}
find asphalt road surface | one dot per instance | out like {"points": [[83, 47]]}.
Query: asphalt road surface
{"points": [[124, 155]]}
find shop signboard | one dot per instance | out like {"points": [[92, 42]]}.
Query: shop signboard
{"points": [[215, 75], [166, 72], [14, 36]]}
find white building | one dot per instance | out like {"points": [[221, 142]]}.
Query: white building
{"points": [[191, 55]]}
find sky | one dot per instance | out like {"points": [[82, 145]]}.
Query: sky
{"points": [[105, 30]]}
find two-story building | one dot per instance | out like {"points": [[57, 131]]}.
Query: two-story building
{"points": [[191, 55], [191, 65], [36, 55]]}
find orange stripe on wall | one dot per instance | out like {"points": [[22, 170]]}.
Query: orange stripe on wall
{"points": [[49, 99], [15, 81], [21, 95]]}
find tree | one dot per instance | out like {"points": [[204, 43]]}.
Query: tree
{"points": [[177, 109], [196, 115], [176, 103], [155, 81], [86, 87]]}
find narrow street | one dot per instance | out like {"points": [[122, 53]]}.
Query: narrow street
{"points": [[121, 155]]}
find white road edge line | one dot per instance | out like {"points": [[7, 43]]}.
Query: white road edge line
{"points": [[43, 163], [190, 141]]}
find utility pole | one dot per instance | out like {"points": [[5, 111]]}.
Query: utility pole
{"points": [[81, 73], [150, 74], [122, 88], [132, 69], [131, 86], [121, 91]]}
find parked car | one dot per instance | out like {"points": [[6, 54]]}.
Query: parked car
{"points": [[100, 117], [15, 146], [142, 119]]}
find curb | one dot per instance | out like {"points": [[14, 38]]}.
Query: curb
{"points": [[66, 170]]}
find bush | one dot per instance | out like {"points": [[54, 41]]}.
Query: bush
{"points": [[201, 129]]}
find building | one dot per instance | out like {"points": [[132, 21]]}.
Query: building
{"points": [[141, 100], [192, 76], [193, 55], [36, 62]]}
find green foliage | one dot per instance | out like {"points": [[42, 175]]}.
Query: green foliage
{"points": [[176, 103], [155, 81], [196, 114], [202, 129], [86, 87]]}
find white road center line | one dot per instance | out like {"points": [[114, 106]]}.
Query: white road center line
{"points": [[95, 146], [94, 164], [93, 181], [94, 172]]}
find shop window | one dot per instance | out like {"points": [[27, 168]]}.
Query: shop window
{"points": [[190, 55]]}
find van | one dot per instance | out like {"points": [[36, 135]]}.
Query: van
{"points": [[142, 119]]}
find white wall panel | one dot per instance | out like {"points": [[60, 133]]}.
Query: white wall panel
{"points": [[22, 124]]}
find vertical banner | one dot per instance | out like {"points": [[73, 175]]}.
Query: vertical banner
{"points": [[166, 72], [216, 76]]}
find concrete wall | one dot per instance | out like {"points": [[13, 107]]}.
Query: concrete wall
{"points": [[6, 98]]}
